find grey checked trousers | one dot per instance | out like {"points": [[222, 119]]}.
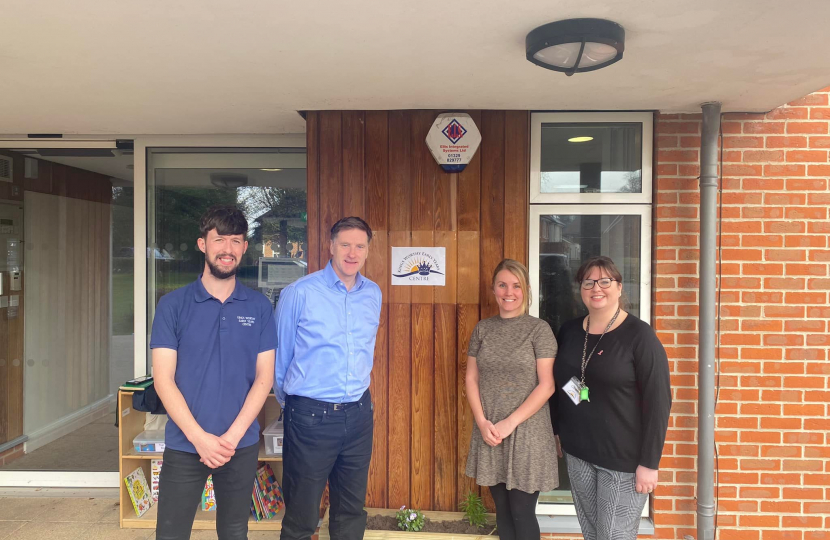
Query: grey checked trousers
{"points": [[608, 506]]}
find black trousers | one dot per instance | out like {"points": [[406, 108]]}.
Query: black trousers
{"points": [[326, 442], [515, 513], [182, 482]]}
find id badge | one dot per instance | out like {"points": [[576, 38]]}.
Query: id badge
{"points": [[573, 388]]}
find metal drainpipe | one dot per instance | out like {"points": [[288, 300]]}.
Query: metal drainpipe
{"points": [[706, 299]]}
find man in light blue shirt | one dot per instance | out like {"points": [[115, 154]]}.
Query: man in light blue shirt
{"points": [[326, 328]]}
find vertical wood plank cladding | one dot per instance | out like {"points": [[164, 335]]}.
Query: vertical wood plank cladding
{"points": [[376, 495], [399, 171], [377, 170], [313, 187], [423, 172], [422, 294], [468, 317], [492, 204], [399, 294], [354, 182], [376, 164], [469, 263], [400, 407], [516, 148], [469, 189], [331, 177], [446, 398], [377, 264], [423, 401], [447, 294]]}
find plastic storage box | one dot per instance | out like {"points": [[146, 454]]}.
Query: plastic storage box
{"points": [[149, 441], [273, 435]]}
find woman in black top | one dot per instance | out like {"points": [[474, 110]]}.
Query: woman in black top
{"points": [[612, 406]]}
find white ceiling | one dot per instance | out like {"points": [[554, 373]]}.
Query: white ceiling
{"points": [[212, 66]]}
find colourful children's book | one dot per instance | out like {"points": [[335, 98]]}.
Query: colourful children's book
{"points": [[266, 499], [208, 498], [138, 490], [155, 471]]}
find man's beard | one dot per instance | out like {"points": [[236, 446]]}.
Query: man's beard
{"points": [[219, 273]]}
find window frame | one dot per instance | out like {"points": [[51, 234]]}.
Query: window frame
{"points": [[536, 122], [586, 204], [642, 210]]}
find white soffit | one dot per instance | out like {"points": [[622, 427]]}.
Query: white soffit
{"points": [[211, 66]]}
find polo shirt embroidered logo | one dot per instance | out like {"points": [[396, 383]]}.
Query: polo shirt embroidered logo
{"points": [[246, 321]]}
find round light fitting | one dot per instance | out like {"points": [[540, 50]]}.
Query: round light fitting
{"points": [[576, 45]]}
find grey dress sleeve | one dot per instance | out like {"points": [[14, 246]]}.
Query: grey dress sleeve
{"points": [[544, 343]]}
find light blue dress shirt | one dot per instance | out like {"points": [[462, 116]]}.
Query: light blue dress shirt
{"points": [[326, 337]]}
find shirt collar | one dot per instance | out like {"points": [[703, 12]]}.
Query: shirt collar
{"points": [[201, 294], [331, 278]]}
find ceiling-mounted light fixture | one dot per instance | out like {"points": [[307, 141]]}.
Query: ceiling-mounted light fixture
{"points": [[580, 139], [228, 180], [576, 45]]}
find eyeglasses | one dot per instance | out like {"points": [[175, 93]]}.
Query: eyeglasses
{"points": [[604, 283]]}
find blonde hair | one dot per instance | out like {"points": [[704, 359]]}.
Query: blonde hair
{"points": [[520, 271]]}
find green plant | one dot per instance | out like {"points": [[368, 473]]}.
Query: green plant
{"points": [[410, 520], [474, 510]]}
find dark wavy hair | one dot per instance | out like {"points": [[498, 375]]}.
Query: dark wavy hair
{"points": [[227, 219]]}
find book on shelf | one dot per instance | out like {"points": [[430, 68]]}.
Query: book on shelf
{"points": [[138, 490], [266, 498], [155, 472], [208, 497]]}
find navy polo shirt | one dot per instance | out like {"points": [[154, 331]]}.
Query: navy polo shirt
{"points": [[217, 346]]}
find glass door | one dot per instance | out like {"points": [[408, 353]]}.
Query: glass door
{"points": [[268, 184], [564, 238], [66, 312]]}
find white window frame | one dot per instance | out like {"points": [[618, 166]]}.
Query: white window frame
{"points": [[587, 204], [641, 210], [536, 122], [141, 146]]}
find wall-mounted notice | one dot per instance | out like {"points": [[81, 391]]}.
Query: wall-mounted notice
{"points": [[453, 140], [419, 266]]}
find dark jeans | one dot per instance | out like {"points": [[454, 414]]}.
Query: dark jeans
{"points": [[182, 482], [324, 441], [515, 513]]}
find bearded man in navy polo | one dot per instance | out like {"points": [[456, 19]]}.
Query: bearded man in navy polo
{"points": [[213, 346]]}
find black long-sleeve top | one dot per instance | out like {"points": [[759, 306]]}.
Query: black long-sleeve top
{"points": [[624, 425]]}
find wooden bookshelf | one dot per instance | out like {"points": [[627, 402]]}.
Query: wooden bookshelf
{"points": [[131, 423]]}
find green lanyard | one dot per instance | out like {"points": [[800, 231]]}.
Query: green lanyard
{"points": [[583, 390]]}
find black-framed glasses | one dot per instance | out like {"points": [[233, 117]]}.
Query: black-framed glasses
{"points": [[604, 283]]}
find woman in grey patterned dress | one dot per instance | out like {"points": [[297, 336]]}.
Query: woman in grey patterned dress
{"points": [[509, 381]]}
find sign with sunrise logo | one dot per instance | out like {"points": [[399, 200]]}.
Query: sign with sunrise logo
{"points": [[419, 266]]}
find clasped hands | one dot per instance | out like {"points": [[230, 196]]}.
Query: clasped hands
{"points": [[494, 434], [215, 451]]}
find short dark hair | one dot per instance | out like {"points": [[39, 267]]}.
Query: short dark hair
{"points": [[607, 265], [352, 222], [227, 219]]}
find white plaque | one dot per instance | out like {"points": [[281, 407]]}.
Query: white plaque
{"points": [[419, 266]]}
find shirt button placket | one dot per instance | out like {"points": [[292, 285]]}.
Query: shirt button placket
{"points": [[350, 346]]}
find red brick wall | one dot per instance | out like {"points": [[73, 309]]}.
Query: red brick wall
{"points": [[11, 454], [772, 415]]}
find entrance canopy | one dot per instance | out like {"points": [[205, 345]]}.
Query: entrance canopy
{"points": [[139, 67]]}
